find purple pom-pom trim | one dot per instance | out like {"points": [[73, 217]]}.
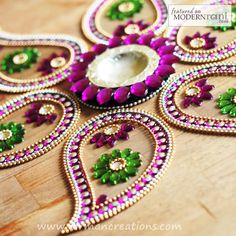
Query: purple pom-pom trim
{"points": [[90, 93]]}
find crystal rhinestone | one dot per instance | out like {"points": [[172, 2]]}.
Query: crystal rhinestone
{"points": [[57, 62], [112, 129], [20, 58], [132, 29], [5, 134], [46, 110], [192, 91], [197, 43], [126, 7]]}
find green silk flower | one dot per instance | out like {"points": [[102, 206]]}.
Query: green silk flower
{"points": [[124, 9], [227, 102], [233, 25], [10, 134], [19, 60], [117, 167]]}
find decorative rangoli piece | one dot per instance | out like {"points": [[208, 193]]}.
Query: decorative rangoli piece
{"points": [[172, 110], [24, 62], [206, 45], [105, 18], [45, 106], [132, 171]]}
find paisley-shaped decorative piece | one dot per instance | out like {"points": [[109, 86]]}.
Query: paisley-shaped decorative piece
{"points": [[107, 181], [18, 134], [123, 73], [204, 44], [36, 61], [106, 16], [216, 114]]}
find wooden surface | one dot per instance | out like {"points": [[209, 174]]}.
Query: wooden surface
{"points": [[197, 192]]}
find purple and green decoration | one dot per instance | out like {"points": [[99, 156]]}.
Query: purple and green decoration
{"points": [[131, 27], [52, 63], [233, 23], [19, 60], [200, 41], [227, 102], [40, 113], [117, 167], [197, 93], [124, 73], [111, 134], [10, 135], [124, 9]]}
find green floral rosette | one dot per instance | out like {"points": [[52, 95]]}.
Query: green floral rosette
{"points": [[117, 167], [124, 9], [227, 102], [19, 60], [10, 135]]}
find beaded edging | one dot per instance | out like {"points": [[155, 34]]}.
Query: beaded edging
{"points": [[177, 116], [93, 31], [74, 45], [201, 56], [71, 113], [87, 212]]}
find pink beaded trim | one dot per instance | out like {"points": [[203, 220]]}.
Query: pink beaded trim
{"points": [[91, 31], [87, 211], [174, 114], [75, 46], [65, 126]]}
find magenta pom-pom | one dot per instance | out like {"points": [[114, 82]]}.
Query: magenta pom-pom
{"points": [[145, 39], [131, 39], [169, 59], [88, 56], [138, 89], [99, 48], [164, 70], [121, 95], [153, 81], [115, 42], [77, 76], [157, 43], [79, 86], [89, 93], [104, 96], [79, 66], [166, 50]]}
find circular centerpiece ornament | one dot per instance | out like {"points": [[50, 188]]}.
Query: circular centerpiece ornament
{"points": [[125, 73], [106, 18], [109, 182], [123, 66]]}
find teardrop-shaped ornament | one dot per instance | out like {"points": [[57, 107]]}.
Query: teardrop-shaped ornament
{"points": [[108, 181]]}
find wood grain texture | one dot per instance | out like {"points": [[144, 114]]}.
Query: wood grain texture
{"points": [[198, 191]]}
